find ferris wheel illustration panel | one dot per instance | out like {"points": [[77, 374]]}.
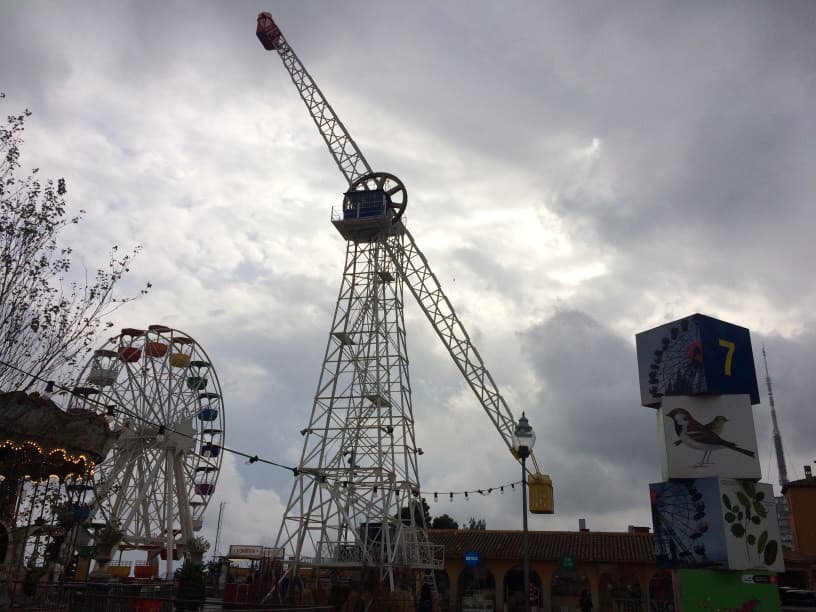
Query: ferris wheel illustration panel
{"points": [[670, 361], [162, 397], [687, 523]]}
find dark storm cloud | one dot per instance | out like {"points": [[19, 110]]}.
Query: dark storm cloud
{"points": [[597, 434]]}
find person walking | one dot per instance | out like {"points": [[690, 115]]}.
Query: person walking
{"points": [[533, 598], [586, 601]]}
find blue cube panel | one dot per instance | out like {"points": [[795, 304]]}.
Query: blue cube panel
{"points": [[696, 355]]}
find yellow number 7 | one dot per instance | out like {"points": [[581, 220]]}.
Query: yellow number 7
{"points": [[729, 356]]}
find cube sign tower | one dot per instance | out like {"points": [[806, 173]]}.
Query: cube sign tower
{"points": [[709, 512]]}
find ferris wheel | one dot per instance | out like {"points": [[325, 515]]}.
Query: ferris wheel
{"points": [[162, 397], [677, 365], [680, 519]]}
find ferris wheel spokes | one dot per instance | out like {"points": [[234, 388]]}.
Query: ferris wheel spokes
{"points": [[159, 390]]}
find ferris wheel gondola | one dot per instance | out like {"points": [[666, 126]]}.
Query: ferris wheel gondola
{"points": [[162, 397]]}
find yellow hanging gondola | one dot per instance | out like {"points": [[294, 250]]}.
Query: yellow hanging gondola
{"points": [[541, 494]]}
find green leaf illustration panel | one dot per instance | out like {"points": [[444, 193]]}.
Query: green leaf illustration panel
{"points": [[715, 523], [752, 528]]}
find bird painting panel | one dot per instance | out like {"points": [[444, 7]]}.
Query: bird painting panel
{"points": [[708, 436]]}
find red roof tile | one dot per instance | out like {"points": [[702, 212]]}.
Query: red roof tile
{"points": [[588, 546]]}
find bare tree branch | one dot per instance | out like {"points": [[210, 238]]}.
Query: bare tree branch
{"points": [[48, 324]]}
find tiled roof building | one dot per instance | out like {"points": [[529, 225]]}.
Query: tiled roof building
{"points": [[618, 569], [586, 546], [801, 499]]}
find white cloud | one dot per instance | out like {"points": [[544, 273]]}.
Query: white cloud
{"points": [[573, 179]]}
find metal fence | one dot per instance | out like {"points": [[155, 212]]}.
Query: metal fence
{"points": [[93, 596], [88, 597]]}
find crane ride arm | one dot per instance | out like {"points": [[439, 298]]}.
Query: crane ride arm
{"points": [[409, 260], [423, 284], [345, 151]]}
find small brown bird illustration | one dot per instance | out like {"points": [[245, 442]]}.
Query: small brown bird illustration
{"points": [[715, 425], [697, 436]]}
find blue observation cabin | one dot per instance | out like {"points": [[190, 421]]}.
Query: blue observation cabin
{"points": [[366, 214], [365, 204]]}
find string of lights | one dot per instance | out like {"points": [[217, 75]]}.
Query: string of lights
{"points": [[253, 458], [160, 427], [467, 494]]}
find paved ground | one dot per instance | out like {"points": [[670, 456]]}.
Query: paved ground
{"points": [[214, 605]]}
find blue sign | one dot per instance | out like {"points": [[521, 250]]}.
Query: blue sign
{"points": [[472, 558]]}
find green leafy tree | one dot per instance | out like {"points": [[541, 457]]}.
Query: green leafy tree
{"points": [[426, 513], [473, 523], [444, 522], [107, 536], [190, 589], [421, 511], [48, 322]]}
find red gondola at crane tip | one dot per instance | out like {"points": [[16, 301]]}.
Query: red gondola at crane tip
{"points": [[268, 32]]}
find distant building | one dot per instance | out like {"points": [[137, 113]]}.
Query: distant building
{"points": [[483, 567], [483, 570], [800, 563]]}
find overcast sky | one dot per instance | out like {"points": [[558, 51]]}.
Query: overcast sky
{"points": [[577, 173]]}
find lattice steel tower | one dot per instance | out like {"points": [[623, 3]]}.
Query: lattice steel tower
{"points": [[355, 500], [777, 437]]}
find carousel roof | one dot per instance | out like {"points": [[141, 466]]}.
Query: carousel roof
{"points": [[34, 418]]}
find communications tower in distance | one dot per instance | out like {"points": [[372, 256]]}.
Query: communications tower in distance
{"points": [[777, 437], [355, 501], [782, 512]]}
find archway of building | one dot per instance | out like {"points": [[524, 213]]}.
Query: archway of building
{"points": [[661, 592], [514, 589], [566, 588], [477, 589], [443, 588], [620, 591]]}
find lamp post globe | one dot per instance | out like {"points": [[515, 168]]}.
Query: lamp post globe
{"points": [[523, 442], [523, 437]]}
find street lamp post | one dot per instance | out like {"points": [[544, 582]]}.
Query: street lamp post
{"points": [[523, 441]]}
